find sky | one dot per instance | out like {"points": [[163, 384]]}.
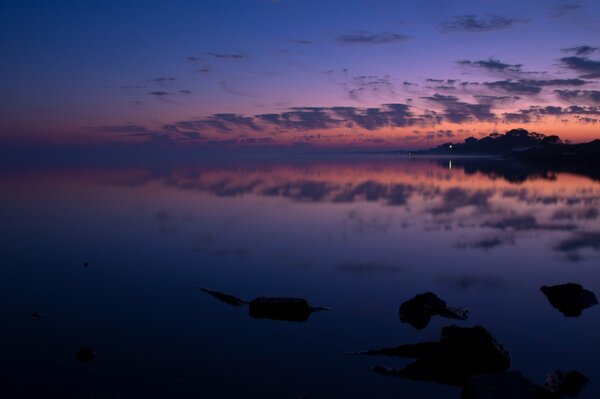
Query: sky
{"points": [[301, 73]]}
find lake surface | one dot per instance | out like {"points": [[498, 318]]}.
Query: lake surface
{"points": [[357, 234]]}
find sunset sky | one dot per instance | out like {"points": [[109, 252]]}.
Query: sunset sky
{"points": [[353, 73]]}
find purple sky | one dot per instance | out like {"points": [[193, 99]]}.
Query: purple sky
{"points": [[372, 73]]}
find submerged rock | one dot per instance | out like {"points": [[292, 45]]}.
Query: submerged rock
{"points": [[570, 299], [85, 354], [508, 385], [563, 384], [274, 308], [419, 310], [460, 352]]}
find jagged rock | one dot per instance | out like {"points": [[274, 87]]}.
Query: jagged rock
{"points": [[275, 308], [461, 352], [85, 354], [419, 310], [570, 299], [563, 384]]}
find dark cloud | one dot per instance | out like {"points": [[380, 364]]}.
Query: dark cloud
{"points": [[493, 100], [231, 56], [474, 23], [554, 82], [589, 69], [580, 50], [365, 37], [458, 112], [300, 41], [560, 8], [492, 65], [301, 118], [515, 87], [132, 128], [164, 79], [579, 96], [185, 91], [159, 93], [536, 112], [228, 88]]}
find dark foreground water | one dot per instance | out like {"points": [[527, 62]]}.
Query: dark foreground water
{"points": [[359, 235]]}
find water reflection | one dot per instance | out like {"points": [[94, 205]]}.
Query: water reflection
{"points": [[486, 203], [358, 234]]}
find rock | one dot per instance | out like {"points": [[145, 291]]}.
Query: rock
{"points": [[37, 315], [508, 385], [418, 311], [461, 352], [292, 309], [275, 308], [570, 299], [564, 384], [85, 354]]}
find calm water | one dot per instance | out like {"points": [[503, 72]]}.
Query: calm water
{"points": [[359, 235]]}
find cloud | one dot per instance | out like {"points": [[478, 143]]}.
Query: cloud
{"points": [[299, 41], [580, 50], [492, 65], [228, 88], [459, 112], [159, 93], [230, 56], [515, 87], [130, 128], [474, 23], [555, 82], [536, 112], [589, 69], [560, 8], [365, 37], [579, 96], [162, 80]]}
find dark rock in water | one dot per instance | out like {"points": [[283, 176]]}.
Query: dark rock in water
{"points": [[85, 354], [508, 385], [37, 315], [292, 309], [570, 299], [411, 350], [461, 352], [226, 298], [563, 384], [418, 311], [283, 308]]}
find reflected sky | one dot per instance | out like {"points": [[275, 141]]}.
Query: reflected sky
{"points": [[358, 235]]}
